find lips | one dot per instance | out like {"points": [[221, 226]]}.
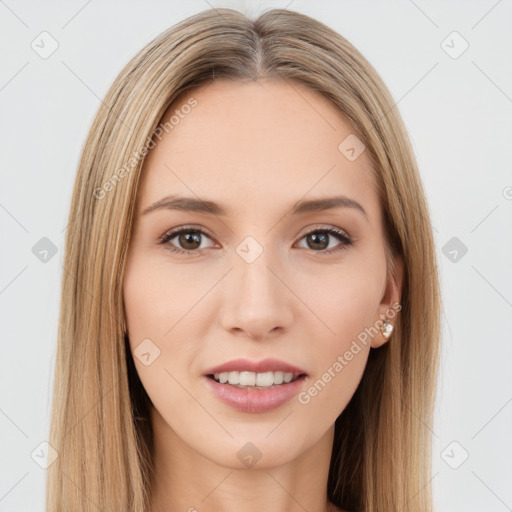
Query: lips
{"points": [[288, 381], [246, 365], [252, 400]]}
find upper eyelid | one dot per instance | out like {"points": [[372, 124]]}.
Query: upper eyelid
{"points": [[178, 230]]}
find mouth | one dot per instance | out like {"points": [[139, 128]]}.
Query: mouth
{"points": [[253, 380], [251, 392]]}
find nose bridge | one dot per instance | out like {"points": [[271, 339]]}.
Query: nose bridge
{"points": [[257, 284], [256, 301]]}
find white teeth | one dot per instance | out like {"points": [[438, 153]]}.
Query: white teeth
{"points": [[246, 379], [266, 379], [278, 377]]}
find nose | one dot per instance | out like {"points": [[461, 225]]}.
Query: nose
{"points": [[256, 301]]}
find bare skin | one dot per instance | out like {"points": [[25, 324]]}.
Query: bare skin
{"points": [[256, 149]]}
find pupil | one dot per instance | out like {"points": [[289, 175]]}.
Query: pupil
{"points": [[190, 238], [324, 241]]}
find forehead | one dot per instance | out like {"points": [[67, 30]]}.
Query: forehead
{"points": [[255, 144]]}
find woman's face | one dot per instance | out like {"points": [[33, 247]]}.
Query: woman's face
{"points": [[254, 275]]}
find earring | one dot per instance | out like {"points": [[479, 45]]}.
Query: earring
{"points": [[386, 329]]}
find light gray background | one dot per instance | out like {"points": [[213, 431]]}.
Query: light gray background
{"points": [[458, 113]]}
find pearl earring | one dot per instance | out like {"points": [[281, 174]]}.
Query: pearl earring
{"points": [[386, 329]]}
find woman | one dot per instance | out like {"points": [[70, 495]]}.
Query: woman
{"points": [[234, 165]]}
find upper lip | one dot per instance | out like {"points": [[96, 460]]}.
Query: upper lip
{"points": [[265, 365]]}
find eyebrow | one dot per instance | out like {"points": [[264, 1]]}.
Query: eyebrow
{"points": [[191, 204]]}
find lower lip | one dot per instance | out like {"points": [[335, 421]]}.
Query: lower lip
{"points": [[255, 400]]}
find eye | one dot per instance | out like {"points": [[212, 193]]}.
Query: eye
{"points": [[318, 240], [188, 238]]}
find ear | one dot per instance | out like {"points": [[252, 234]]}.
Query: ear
{"points": [[392, 295]]}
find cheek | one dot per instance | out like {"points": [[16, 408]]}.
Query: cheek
{"points": [[156, 297], [141, 303], [163, 320], [347, 305], [160, 352]]}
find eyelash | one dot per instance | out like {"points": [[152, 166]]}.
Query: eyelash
{"points": [[340, 235]]}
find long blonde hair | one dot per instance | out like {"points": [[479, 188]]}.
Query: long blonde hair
{"points": [[381, 459]]}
